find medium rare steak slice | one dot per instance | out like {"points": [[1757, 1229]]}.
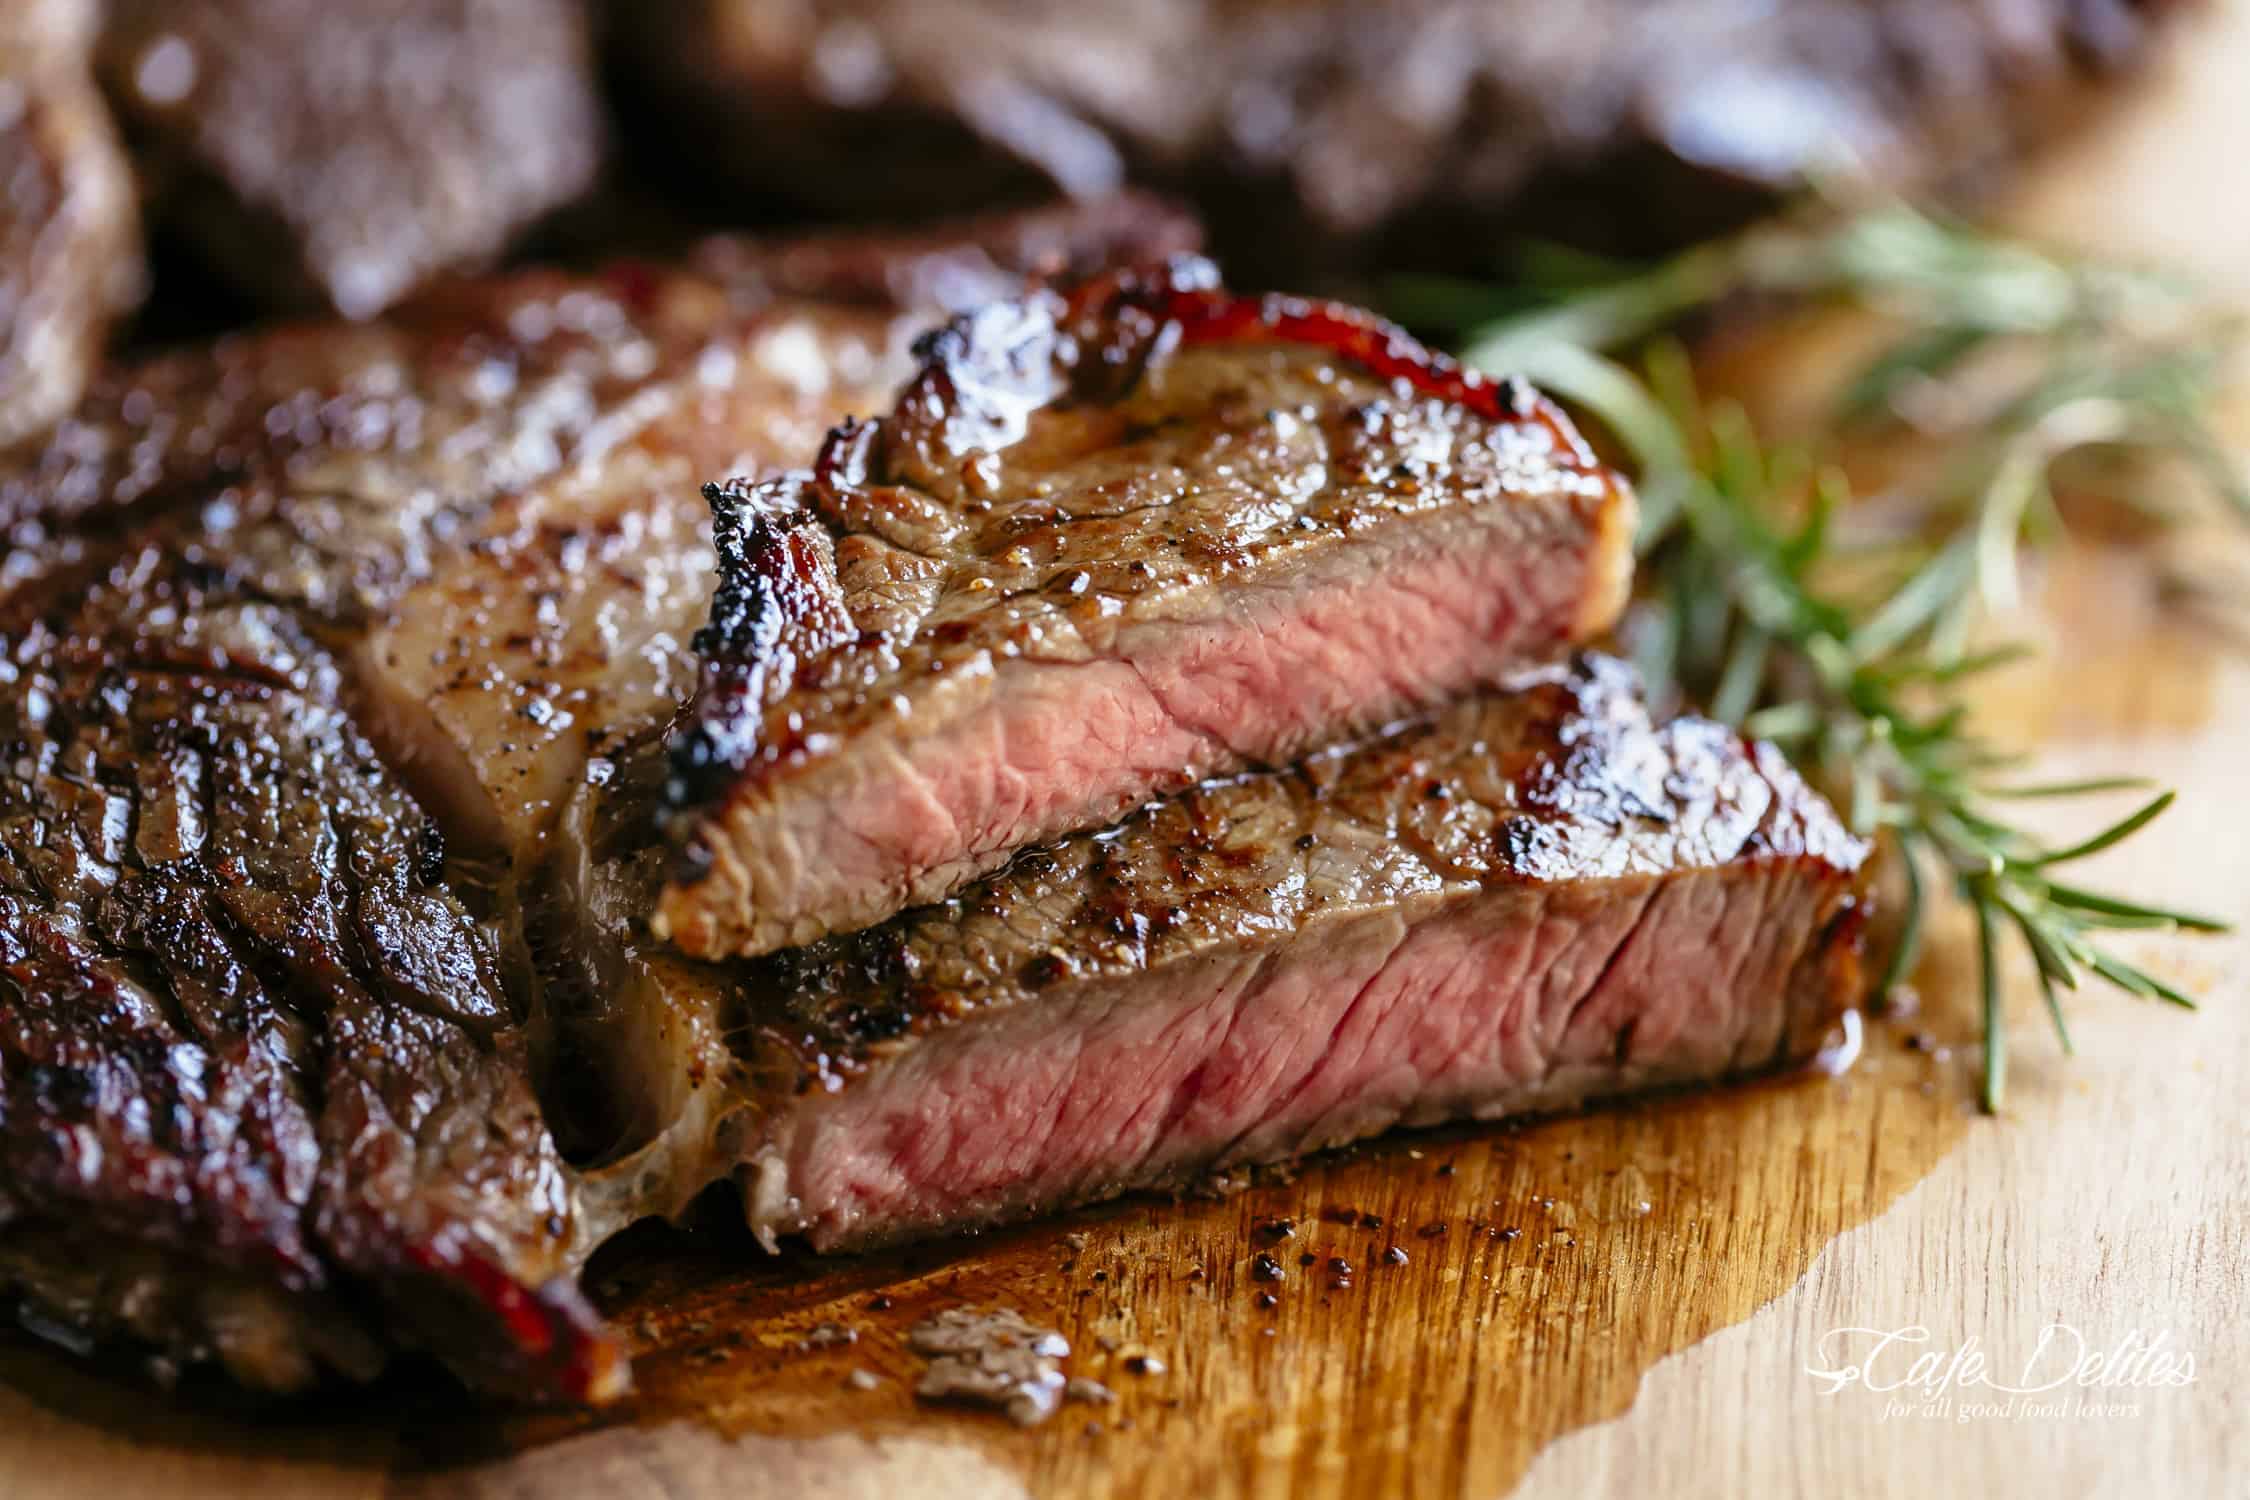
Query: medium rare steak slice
{"points": [[1533, 899], [1108, 544], [514, 665]]}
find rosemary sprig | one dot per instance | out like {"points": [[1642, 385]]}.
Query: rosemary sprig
{"points": [[1855, 652]]}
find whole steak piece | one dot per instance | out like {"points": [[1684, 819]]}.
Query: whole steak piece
{"points": [[1531, 899], [305, 637], [1108, 544], [256, 1060], [339, 155], [1318, 135], [70, 255]]}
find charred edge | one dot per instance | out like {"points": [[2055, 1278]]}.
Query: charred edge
{"points": [[1109, 328], [950, 343], [750, 523], [257, 1230], [556, 1346], [740, 534], [845, 454], [1184, 294], [248, 1224]]}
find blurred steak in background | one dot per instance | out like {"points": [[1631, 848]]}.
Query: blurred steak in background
{"points": [[69, 238], [1318, 135], [338, 155]]}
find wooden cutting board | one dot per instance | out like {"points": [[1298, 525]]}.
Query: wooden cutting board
{"points": [[1632, 1302]]}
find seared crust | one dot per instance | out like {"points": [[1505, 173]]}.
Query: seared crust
{"points": [[243, 1030], [1064, 468]]}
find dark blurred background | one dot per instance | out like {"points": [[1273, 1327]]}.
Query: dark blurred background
{"points": [[295, 155]]}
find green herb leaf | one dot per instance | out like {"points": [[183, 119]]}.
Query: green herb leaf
{"points": [[1751, 605]]}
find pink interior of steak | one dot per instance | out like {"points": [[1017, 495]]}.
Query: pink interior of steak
{"points": [[1037, 746], [1107, 544], [1511, 1002], [1532, 898]]}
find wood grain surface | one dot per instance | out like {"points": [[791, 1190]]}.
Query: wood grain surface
{"points": [[1673, 1268]]}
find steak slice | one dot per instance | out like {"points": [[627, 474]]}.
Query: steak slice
{"points": [[69, 236], [517, 662], [1533, 899], [340, 155], [1318, 135], [265, 1058], [1107, 545]]}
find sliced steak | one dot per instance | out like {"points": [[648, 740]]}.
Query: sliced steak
{"points": [[1105, 546], [69, 234], [339, 155], [1318, 135], [488, 501], [514, 665], [1533, 899], [265, 1062]]}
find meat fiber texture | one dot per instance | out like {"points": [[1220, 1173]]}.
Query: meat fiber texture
{"points": [[336, 668], [1105, 545], [1534, 898]]}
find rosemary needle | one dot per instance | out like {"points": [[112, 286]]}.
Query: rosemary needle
{"points": [[1752, 606]]}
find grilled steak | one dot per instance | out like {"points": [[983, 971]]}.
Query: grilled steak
{"points": [[339, 154], [242, 1028], [265, 1084], [69, 237], [1105, 546], [515, 663], [338, 768], [1532, 899], [1318, 133]]}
